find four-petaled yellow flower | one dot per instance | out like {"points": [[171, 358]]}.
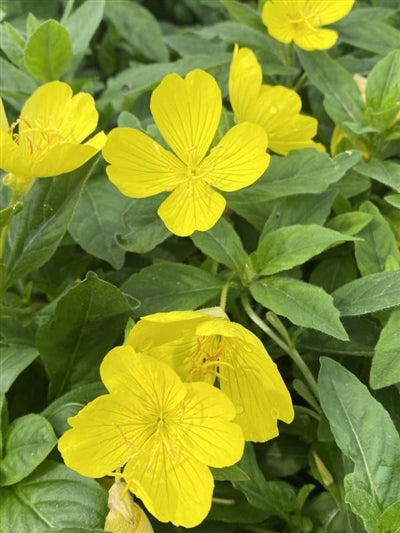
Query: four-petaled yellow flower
{"points": [[51, 127], [125, 515], [187, 113], [203, 347], [275, 108], [300, 21], [164, 434]]}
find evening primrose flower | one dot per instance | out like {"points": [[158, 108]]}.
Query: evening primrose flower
{"points": [[301, 20], [163, 433], [275, 108], [125, 515], [187, 112], [204, 346], [46, 139]]}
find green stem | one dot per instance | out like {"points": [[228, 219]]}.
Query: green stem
{"points": [[290, 350], [4, 231], [224, 295], [307, 411]]}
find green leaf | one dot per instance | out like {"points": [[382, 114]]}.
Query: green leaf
{"points": [[365, 433], [298, 209], [48, 51], [87, 321], [305, 171], [386, 172], [342, 100], [390, 518], [375, 36], [383, 89], [168, 286], [83, 23], [139, 28], [385, 369], [393, 199], [27, 443], [363, 336], [276, 497], [145, 228], [333, 272], [13, 360], [350, 223], [244, 13], [378, 244], [97, 219], [229, 473], [303, 304], [7, 213], [70, 403], [53, 496], [369, 294], [15, 85], [37, 231], [140, 79], [223, 244], [12, 43], [293, 245]]}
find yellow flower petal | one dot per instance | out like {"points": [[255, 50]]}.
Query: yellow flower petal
{"points": [[239, 159], [328, 11], [176, 491], [205, 433], [11, 159], [187, 112], [140, 167], [310, 39], [192, 206], [52, 106], [62, 158], [98, 442], [275, 18], [3, 117], [97, 141], [123, 370], [245, 78]]}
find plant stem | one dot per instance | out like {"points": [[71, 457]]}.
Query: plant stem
{"points": [[290, 350], [4, 231]]}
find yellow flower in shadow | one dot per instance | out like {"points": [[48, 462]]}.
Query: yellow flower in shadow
{"points": [[46, 139], [162, 432], [208, 347], [300, 21], [274, 108], [187, 112]]}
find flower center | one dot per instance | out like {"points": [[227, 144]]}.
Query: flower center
{"points": [[34, 139], [206, 359]]}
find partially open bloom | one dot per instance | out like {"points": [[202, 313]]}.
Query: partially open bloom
{"points": [[205, 347], [125, 515], [162, 432], [46, 139], [275, 108], [301, 20], [187, 113]]}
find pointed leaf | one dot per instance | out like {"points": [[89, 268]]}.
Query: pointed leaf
{"points": [[385, 368], [13, 360]]}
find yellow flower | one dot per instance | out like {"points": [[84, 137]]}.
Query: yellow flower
{"points": [[162, 432], [125, 515], [300, 21], [275, 108], [51, 127], [187, 112], [204, 347]]}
